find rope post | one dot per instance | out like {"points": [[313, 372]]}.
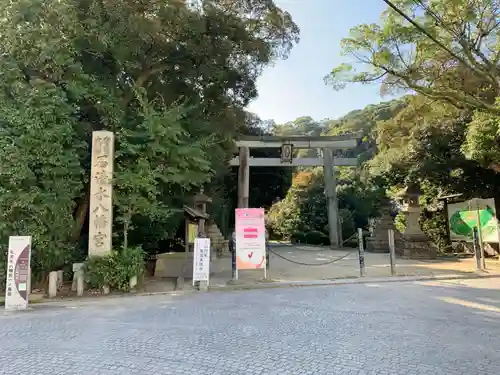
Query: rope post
{"points": [[477, 249], [361, 253], [232, 249], [392, 251], [234, 272]]}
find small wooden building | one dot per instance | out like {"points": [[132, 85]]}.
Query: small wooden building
{"points": [[180, 265]]}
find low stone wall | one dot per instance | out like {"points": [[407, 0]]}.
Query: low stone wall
{"points": [[419, 250], [378, 242], [174, 265], [375, 245]]}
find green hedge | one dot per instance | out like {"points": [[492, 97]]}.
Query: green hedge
{"points": [[115, 269], [311, 238], [3, 268], [316, 238], [297, 237]]}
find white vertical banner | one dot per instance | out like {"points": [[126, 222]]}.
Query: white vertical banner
{"points": [[18, 273], [201, 260]]}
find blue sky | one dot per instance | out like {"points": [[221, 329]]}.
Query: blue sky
{"points": [[295, 87]]}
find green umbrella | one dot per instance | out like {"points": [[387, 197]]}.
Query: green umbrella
{"points": [[462, 222]]}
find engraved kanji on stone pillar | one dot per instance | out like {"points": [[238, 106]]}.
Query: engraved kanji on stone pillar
{"points": [[101, 191]]}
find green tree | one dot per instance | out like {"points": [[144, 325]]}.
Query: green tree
{"points": [[153, 161], [267, 184], [40, 173], [483, 140], [460, 69], [422, 146], [304, 208], [363, 123], [71, 67]]}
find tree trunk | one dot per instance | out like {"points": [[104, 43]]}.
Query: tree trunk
{"points": [[80, 216], [125, 234]]}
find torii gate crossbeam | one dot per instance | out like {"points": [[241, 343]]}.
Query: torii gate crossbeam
{"points": [[327, 144]]}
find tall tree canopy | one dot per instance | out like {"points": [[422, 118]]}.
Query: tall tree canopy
{"points": [[460, 68], [446, 50], [304, 207], [170, 78], [422, 145]]}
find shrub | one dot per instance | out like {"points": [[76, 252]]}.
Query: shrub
{"points": [[325, 240], [400, 221], [115, 269], [314, 238], [435, 225], [297, 237]]}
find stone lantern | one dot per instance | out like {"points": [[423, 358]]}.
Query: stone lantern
{"points": [[208, 228], [416, 243], [378, 242], [200, 201]]}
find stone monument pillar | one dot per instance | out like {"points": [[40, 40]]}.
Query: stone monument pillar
{"points": [[416, 244], [101, 191]]}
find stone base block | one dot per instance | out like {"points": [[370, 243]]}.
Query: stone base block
{"points": [[374, 245], [174, 265], [377, 246], [419, 250]]}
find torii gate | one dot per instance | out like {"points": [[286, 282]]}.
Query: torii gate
{"points": [[288, 144]]}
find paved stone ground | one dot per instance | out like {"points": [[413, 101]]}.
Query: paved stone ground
{"points": [[346, 266], [446, 328]]}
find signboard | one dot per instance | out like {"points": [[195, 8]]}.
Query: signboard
{"points": [[463, 217], [201, 259], [250, 238], [192, 232], [287, 153], [18, 273]]}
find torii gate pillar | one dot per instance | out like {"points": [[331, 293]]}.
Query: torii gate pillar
{"points": [[244, 177], [331, 196], [326, 143]]}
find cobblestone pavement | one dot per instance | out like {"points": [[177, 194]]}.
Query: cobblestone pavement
{"points": [[394, 328]]}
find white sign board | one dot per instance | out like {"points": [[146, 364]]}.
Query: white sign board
{"points": [[250, 239], [201, 259], [18, 273]]}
